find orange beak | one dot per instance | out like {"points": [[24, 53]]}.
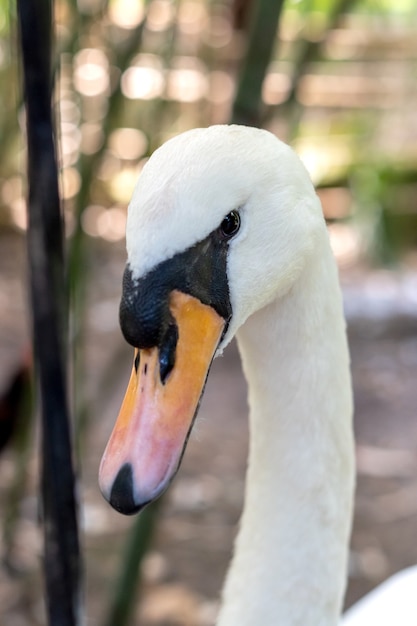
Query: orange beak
{"points": [[151, 431]]}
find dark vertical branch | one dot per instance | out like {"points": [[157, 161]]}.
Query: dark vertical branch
{"points": [[241, 13], [47, 286], [16, 420], [262, 36]]}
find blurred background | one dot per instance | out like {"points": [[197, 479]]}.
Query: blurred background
{"points": [[341, 88]]}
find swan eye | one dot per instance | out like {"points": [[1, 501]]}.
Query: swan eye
{"points": [[230, 225]]}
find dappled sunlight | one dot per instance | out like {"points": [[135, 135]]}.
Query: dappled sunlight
{"points": [[324, 160], [218, 32], [12, 197], [187, 80], [351, 91], [275, 88], [161, 15], [70, 182], [123, 182], [91, 72], [92, 138], [145, 79], [110, 165], [69, 112], [109, 224], [221, 87], [12, 189], [128, 143], [192, 17], [70, 143], [125, 13], [19, 213]]}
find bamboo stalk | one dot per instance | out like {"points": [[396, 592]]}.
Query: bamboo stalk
{"points": [[62, 564], [127, 585], [262, 36]]}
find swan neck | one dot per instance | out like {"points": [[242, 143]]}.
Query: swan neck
{"points": [[290, 560]]}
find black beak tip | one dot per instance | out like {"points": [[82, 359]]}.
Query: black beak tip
{"points": [[122, 493]]}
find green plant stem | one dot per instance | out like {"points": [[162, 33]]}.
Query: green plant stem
{"points": [[136, 547], [262, 36]]}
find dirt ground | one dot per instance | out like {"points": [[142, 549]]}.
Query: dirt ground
{"points": [[183, 573]]}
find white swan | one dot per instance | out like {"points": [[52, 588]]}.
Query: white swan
{"points": [[226, 236], [394, 602]]}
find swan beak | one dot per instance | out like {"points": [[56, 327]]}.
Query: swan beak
{"points": [[151, 431]]}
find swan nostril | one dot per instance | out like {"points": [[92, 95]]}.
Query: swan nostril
{"points": [[137, 360], [167, 352], [122, 493]]}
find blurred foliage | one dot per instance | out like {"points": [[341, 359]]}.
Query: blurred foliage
{"points": [[341, 87], [376, 7], [389, 214]]}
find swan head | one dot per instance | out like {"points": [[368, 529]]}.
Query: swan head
{"points": [[221, 223]]}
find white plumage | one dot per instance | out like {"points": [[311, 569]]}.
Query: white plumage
{"points": [[392, 603]]}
